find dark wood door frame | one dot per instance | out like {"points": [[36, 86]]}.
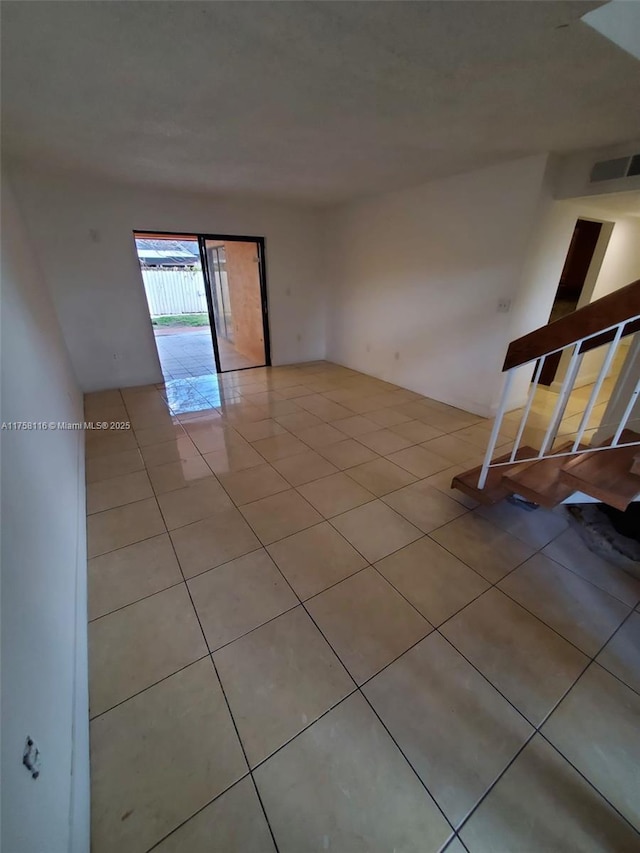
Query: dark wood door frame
{"points": [[582, 247]]}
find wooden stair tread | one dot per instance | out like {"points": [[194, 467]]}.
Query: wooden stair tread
{"points": [[495, 488], [606, 475], [539, 481]]}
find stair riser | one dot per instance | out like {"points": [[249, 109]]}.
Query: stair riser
{"points": [[541, 498]]}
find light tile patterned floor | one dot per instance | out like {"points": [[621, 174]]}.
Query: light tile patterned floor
{"points": [[302, 639], [189, 352]]}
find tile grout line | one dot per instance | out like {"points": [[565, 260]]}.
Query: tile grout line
{"points": [[228, 706], [551, 627], [590, 783], [627, 618], [148, 686], [357, 689], [436, 629], [126, 502], [135, 600], [539, 726], [495, 585], [537, 730], [537, 551]]}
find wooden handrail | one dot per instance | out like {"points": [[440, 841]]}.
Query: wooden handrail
{"points": [[630, 329], [608, 311]]}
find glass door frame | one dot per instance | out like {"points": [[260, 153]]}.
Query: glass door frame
{"points": [[207, 273], [219, 299]]}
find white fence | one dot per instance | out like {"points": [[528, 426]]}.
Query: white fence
{"points": [[174, 291]]}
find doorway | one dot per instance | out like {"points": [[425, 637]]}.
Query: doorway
{"points": [[207, 299], [572, 280], [175, 288]]}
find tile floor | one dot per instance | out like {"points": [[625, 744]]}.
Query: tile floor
{"points": [[301, 639], [189, 352]]}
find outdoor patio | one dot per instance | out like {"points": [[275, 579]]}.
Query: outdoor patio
{"points": [[189, 352]]}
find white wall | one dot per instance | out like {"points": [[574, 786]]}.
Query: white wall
{"points": [[97, 288], [416, 276], [44, 621], [620, 266]]}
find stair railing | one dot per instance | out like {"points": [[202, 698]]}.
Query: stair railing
{"points": [[605, 321]]}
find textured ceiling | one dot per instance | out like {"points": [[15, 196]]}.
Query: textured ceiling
{"points": [[319, 101]]}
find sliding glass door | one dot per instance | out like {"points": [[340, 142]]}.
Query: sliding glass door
{"points": [[234, 271]]}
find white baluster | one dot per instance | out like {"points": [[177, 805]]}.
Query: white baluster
{"points": [[627, 412], [482, 479], [604, 370], [527, 408], [563, 398]]}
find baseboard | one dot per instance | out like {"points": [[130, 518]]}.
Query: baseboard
{"points": [[580, 382], [456, 402]]}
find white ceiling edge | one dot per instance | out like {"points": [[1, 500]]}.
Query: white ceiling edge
{"points": [[619, 21]]}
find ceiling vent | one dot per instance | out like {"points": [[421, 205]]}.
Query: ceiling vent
{"points": [[612, 170]]}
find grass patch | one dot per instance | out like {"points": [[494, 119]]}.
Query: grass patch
{"points": [[181, 320]]}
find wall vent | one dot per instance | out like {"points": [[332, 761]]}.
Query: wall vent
{"points": [[612, 170]]}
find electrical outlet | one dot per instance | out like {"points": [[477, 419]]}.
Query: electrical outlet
{"points": [[504, 305]]}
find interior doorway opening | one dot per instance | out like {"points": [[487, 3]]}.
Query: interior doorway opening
{"points": [[578, 263], [207, 301]]}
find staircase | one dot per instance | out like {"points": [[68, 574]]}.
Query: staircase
{"points": [[603, 468]]}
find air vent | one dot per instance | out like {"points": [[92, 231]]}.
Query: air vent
{"points": [[612, 170], [609, 170]]}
